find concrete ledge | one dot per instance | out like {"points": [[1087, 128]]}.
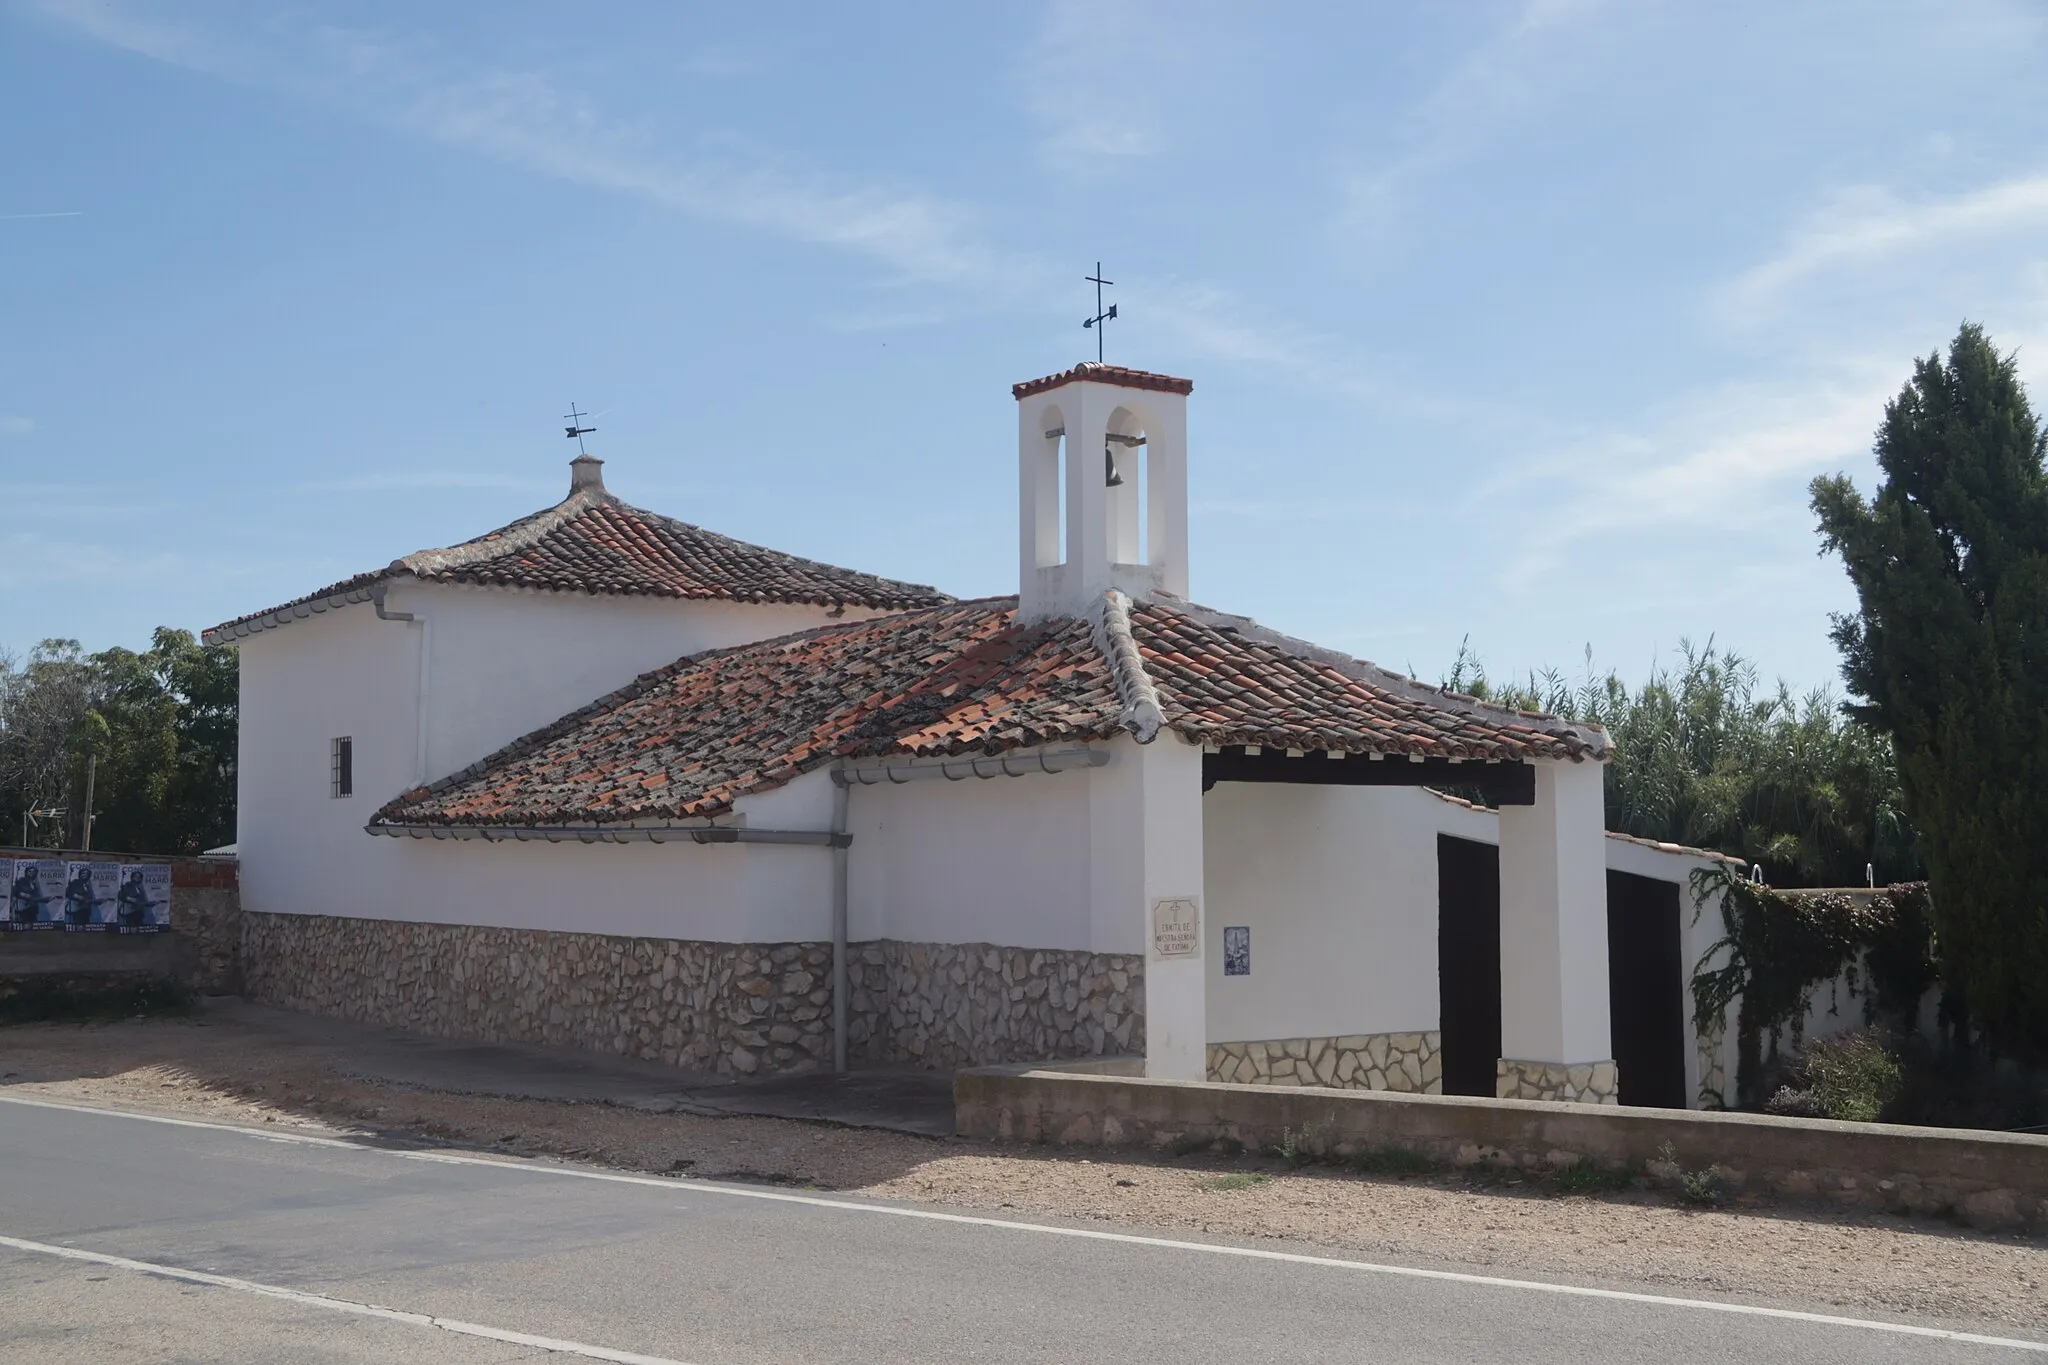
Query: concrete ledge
{"points": [[1989, 1179], [168, 955]]}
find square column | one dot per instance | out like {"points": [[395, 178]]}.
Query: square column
{"points": [[1145, 881], [1553, 941]]}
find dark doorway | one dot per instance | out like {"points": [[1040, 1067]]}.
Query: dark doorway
{"points": [[1468, 963], [1646, 989]]}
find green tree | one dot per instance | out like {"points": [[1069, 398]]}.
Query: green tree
{"points": [[205, 681], [1705, 756], [157, 731], [43, 702], [1949, 653]]}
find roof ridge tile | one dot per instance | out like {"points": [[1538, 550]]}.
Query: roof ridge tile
{"points": [[1110, 618]]}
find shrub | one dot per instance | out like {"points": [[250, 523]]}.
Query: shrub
{"points": [[1853, 1076], [1706, 1189]]}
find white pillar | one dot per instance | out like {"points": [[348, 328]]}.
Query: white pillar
{"points": [[1145, 840], [1554, 1036]]}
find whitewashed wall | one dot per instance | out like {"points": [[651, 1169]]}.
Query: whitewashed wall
{"points": [[1339, 888], [500, 664], [1001, 861]]}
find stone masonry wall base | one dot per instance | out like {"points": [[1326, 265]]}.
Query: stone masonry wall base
{"points": [[738, 1009]]}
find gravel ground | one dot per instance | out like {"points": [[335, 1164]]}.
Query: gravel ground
{"points": [[1804, 1256]]}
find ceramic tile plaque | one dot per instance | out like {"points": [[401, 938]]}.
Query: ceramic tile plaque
{"points": [[1237, 950]]}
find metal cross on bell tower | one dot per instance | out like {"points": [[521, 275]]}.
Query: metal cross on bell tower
{"points": [[1100, 317], [576, 430]]}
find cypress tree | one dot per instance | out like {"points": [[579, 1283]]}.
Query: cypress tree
{"points": [[1949, 653]]}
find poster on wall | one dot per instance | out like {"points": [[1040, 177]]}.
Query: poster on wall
{"points": [[143, 902], [90, 890], [35, 893], [21, 892]]}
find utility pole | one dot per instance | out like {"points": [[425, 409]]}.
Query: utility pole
{"points": [[92, 767]]}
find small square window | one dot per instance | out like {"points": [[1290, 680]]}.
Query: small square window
{"points": [[341, 762]]}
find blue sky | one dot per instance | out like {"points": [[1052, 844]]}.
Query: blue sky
{"points": [[1527, 322]]}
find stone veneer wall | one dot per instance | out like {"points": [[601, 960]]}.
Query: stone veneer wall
{"points": [[1411, 1062], [944, 1005], [1580, 1083], [734, 1008], [206, 910]]}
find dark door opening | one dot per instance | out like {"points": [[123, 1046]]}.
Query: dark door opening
{"points": [[1468, 963], [1646, 989]]}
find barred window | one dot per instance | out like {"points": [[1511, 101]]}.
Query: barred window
{"points": [[341, 766]]}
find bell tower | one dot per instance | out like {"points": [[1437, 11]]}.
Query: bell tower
{"points": [[1102, 456]]}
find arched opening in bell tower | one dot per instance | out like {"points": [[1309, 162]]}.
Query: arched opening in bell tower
{"points": [[1048, 491]]}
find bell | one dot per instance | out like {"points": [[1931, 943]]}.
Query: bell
{"points": [[1110, 478]]}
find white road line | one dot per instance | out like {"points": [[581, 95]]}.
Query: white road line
{"points": [[689, 1186], [367, 1310]]}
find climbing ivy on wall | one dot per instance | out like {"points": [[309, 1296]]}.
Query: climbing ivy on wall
{"points": [[1782, 946]]}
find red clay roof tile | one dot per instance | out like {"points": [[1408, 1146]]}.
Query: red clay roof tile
{"points": [[591, 542], [1106, 374], [687, 740]]}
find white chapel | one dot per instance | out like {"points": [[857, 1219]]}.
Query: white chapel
{"points": [[606, 779]]}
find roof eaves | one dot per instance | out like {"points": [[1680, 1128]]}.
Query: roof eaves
{"points": [[362, 589], [1660, 845], [1091, 371]]}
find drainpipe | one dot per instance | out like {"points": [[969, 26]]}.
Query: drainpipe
{"points": [[850, 773], [841, 791], [420, 708]]}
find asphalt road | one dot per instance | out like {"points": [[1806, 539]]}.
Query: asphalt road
{"points": [[135, 1240]]}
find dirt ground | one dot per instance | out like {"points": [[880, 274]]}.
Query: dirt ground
{"points": [[1803, 1256]]}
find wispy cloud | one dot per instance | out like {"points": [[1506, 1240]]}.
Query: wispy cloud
{"points": [[1870, 226], [1693, 466], [1090, 79], [31, 560], [1495, 83], [16, 426], [24, 217], [524, 119]]}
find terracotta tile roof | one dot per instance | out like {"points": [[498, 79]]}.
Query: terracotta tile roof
{"points": [[1227, 680], [1107, 374], [591, 542], [687, 740]]}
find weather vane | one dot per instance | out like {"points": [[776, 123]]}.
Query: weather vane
{"points": [[1100, 316], [577, 431]]}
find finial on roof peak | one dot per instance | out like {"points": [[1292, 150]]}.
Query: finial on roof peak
{"points": [[586, 471]]}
